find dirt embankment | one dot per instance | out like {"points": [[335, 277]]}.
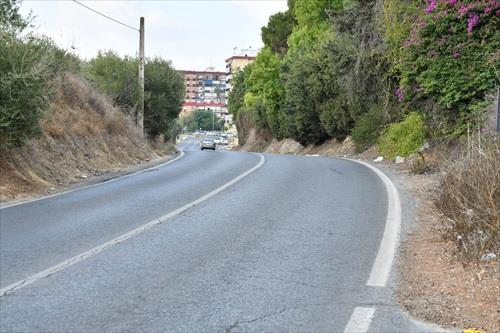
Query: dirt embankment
{"points": [[259, 143], [83, 135], [433, 283]]}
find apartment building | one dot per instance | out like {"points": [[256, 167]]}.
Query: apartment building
{"points": [[239, 59], [205, 90]]}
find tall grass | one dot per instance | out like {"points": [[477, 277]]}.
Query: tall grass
{"points": [[470, 199]]}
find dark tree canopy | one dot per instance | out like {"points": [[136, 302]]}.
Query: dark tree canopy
{"points": [[275, 34]]}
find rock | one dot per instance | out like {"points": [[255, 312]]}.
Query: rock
{"points": [[424, 147], [489, 256], [84, 176], [400, 159], [379, 159]]}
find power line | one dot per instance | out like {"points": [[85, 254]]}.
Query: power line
{"points": [[106, 16]]}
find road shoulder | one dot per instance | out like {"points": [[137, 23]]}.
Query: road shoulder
{"points": [[90, 180], [432, 284]]}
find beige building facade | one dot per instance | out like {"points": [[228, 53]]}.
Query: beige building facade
{"points": [[237, 62]]}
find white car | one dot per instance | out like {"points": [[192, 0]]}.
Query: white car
{"points": [[218, 140], [224, 141], [208, 144]]}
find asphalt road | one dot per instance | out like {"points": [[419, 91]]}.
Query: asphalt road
{"points": [[288, 246]]}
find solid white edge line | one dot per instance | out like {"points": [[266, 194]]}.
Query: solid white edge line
{"points": [[360, 320], [90, 186], [100, 248], [382, 266]]}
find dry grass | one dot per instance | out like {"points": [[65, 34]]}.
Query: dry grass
{"points": [[82, 134], [469, 197], [433, 285]]}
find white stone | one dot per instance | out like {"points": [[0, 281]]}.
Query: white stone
{"points": [[379, 159], [489, 256]]}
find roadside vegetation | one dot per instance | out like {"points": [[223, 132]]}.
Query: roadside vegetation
{"points": [[470, 199], [63, 119], [164, 89], [391, 73], [31, 64], [201, 120]]}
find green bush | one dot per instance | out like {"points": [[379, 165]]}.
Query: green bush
{"points": [[28, 66], [450, 61], [116, 77], [403, 138], [164, 89], [368, 128]]}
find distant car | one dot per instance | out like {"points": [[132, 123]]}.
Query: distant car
{"points": [[207, 144], [224, 141], [218, 140]]}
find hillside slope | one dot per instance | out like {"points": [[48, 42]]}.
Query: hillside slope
{"points": [[82, 135]]}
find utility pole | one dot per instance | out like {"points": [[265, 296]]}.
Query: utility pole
{"points": [[140, 109], [213, 120]]}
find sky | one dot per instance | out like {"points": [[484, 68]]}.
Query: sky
{"points": [[193, 34]]}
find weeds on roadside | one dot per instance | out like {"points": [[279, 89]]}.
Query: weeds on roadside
{"points": [[469, 197]]}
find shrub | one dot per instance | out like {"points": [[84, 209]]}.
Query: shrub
{"points": [[450, 61], [164, 88], [116, 77], [469, 197], [403, 138], [368, 128], [28, 67]]}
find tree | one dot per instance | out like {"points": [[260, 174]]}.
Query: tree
{"points": [[202, 119], [265, 83], [301, 105], [312, 23], [10, 19], [117, 77], [275, 34], [239, 89], [164, 89]]}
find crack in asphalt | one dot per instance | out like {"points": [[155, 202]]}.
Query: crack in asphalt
{"points": [[237, 323], [267, 315]]}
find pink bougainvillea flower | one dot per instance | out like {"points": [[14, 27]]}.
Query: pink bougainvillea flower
{"points": [[465, 9], [430, 8], [472, 22], [456, 55], [452, 2]]}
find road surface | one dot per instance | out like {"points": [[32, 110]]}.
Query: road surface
{"points": [[214, 241]]}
